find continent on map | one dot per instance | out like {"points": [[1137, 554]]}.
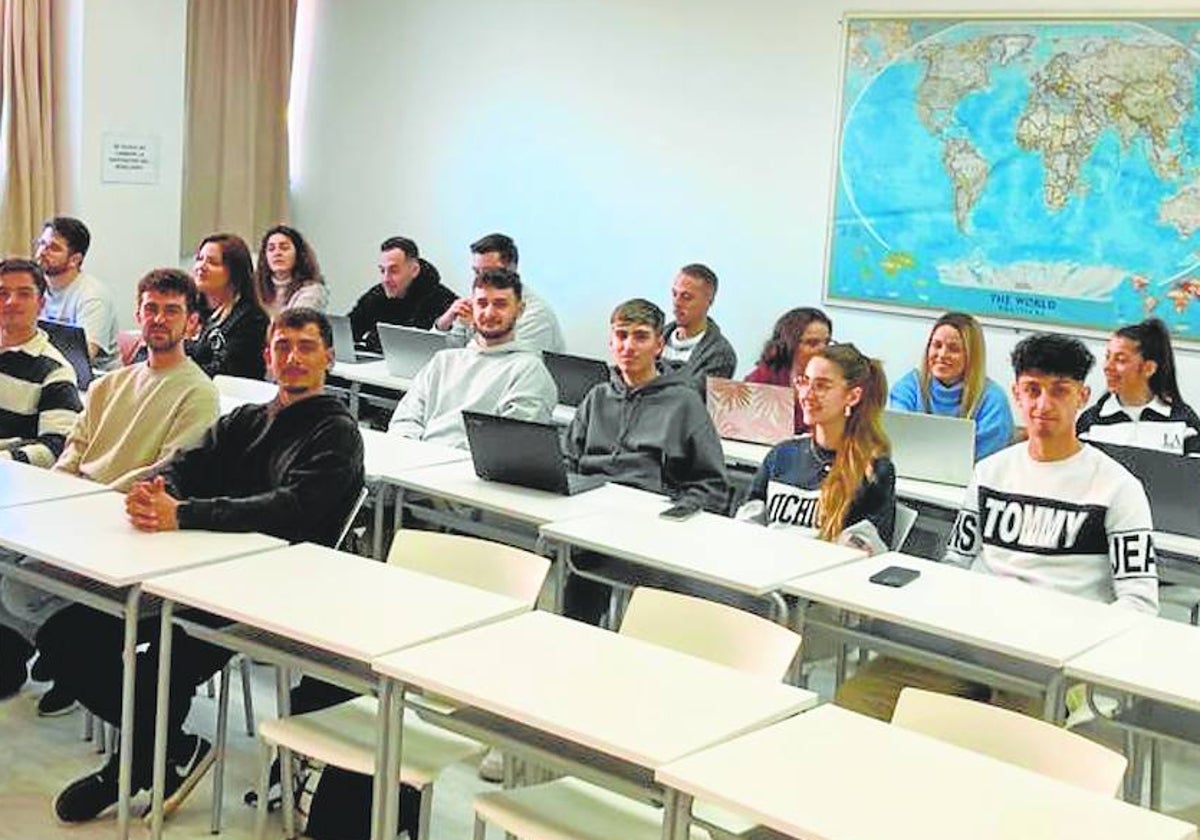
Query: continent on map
{"points": [[968, 171], [1182, 210], [874, 44], [1138, 90]]}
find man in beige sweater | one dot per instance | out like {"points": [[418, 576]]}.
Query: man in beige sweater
{"points": [[133, 420]]}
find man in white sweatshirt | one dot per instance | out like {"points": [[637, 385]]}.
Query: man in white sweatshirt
{"points": [[495, 373]]}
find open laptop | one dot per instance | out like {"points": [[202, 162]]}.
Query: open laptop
{"points": [[927, 447], [1170, 481], [407, 349], [343, 342], [71, 341], [751, 411], [522, 452], [574, 375]]}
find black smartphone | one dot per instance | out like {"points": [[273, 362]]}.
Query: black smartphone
{"points": [[894, 576], [680, 512]]}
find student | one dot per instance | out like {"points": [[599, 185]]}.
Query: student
{"points": [[291, 468], [231, 341], [536, 328], [694, 344], [1142, 406], [287, 273], [409, 293], [74, 297], [1049, 512], [952, 382], [839, 475], [494, 373], [798, 334]]}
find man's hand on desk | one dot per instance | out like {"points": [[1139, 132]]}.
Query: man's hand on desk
{"points": [[151, 507]]}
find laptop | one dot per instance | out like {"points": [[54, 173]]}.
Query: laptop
{"points": [[71, 341], [343, 342], [1170, 481], [524, 453], [574, 375], [751, 411], [927, 447], [407, 349]]}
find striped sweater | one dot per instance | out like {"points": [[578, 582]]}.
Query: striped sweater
{"points": [[38, 401]]}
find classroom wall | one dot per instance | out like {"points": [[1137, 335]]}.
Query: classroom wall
{"points": [[614, 139]]}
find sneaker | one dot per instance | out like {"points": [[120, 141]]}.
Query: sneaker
{"points": [[57, 701], [86, 798], [491, 768], [40, 672], [182, 776]]}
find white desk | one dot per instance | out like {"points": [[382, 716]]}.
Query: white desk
{"points": [[1037, 626], [336, 602], [23, 484], [374, 372], [830, 774], [739, 453], [617, 696]]}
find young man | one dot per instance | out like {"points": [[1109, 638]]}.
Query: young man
{"points": [[291, 468], [1051, 512], [410, 293], [74, 297], [646, 428], [38, 404], [694, 344], [494, 373], [536, 328], [133, 420]]}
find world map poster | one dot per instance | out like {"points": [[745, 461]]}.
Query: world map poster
{"points": [[1020, 169]]}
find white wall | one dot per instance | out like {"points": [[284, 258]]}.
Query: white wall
{"points": [[614, 139]]}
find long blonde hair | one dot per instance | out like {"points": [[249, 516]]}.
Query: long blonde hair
{"points": [[862, 441], [974, 370]]}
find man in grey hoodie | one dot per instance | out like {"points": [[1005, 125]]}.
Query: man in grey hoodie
{"points": [[645, 427]]}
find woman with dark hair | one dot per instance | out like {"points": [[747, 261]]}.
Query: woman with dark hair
{"points": [[232, 338], [798, 334], [287, 274], [1142, 406]]}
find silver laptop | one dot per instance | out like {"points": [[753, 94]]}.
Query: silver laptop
{"points": [[931, 448], [407, 349], [343, 342]]}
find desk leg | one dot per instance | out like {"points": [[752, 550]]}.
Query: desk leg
{"points": [[1055, 699], [355, 387], [160, 720], [398, 510], [391, 779], [677, 815], [129, 660], [383, 724], [797, 677], [287, 776], [381, 494], [561, 571]]}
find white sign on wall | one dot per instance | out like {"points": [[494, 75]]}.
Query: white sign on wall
{"points": [[129, 158]]}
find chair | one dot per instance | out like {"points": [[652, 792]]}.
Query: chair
{"points": [[1013, 738], [344, 735], [571, 809], [906, 518]]}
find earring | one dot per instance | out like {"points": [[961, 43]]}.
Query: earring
{"points": [[848, 410]]}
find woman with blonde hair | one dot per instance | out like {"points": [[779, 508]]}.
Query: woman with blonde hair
{"points": [[837, 480], [952, 381]]}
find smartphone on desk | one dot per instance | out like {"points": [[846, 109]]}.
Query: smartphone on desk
{"points": [[680, 511], [894, 576]]}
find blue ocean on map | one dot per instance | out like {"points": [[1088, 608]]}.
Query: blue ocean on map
{"points": [[1101, 256]]}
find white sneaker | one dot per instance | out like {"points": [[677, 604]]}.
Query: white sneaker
{"points": [[491, 768]]}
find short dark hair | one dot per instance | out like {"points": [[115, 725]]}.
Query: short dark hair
{"points": [[236, 260], [401, 243], [703, 273], [19, 265], [499, 278], [639, 311], [298, 317], [170, 281], [73, 232], [497, 243], [1053, 354]]}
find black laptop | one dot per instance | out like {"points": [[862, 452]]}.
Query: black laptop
{"points": [[71, 341], [574, 375], [1170, 481], [522, 452]]}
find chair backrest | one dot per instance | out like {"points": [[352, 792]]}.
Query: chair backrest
{"points": [[1013, 738], [246, 390], [906, 518], [362, 497], [493, 566], [711, 631]]}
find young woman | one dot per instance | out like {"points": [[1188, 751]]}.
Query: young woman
{"points": [[1142, 406], [798, 334], [287, 274], [838, 476], [232, 337], [952, 382]]}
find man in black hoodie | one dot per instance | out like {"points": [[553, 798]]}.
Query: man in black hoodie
{"points": [[409, 294], [645, 427]]}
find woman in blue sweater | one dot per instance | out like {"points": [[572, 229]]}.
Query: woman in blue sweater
{"points": [[952, 382]]}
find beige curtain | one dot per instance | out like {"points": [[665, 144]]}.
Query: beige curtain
{"points": [[239, 68], [26, 115]]}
